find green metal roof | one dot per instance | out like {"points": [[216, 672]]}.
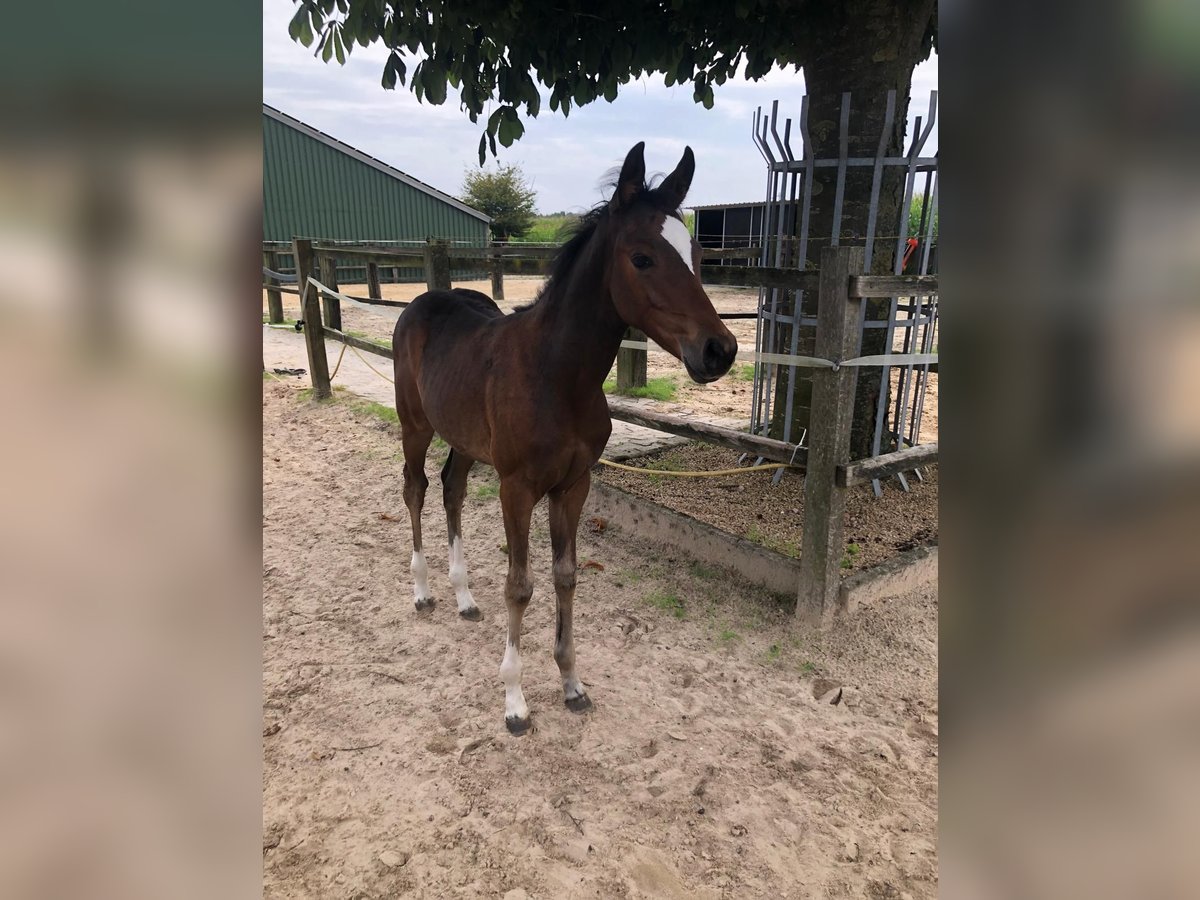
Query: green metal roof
{"points": [[316, 186]]}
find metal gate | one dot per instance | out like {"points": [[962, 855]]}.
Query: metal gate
{"points": [[911, 322]]}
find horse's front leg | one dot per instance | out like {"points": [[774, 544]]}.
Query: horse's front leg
{"points": [[565, 507], [517, 501]]}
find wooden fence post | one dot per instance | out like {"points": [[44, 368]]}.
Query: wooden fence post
{"points": [[631, 364], [839, 321], [373, 290], [497, 276], [310, 313], [437, 266], [274, 297], [333, 306]]}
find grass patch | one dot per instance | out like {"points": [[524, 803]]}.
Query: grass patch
{"points": [[727, 636], [376, 410], [852, 550], [668, 463], [773, 653], [667, 601], [703, 572], [787, 548], [663, 389], [290, 323], [808, 668], [487, 489], [744, 372]]}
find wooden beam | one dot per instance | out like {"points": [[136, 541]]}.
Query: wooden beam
{"points": [[437, 266], [274, 298], [328, 276], [905, 460], [378, 349], [368, 251], [310, 313], [768, 448], [892, 285], [631, 363], [730, 252], [373, 289], [759, 276], [839, 324], [497, 273]]}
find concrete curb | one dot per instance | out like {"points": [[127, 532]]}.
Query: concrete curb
{"points": [[773, 571]]}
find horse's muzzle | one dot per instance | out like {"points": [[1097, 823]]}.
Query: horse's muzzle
{"points": [[710, 360]]}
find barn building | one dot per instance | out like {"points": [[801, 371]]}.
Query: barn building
{"points": [[725, 225], [315, 186]]}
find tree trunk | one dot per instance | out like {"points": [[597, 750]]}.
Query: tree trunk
{"points": [[866, 47]]}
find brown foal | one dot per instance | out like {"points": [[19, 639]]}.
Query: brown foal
{"points": [[523, 392]]}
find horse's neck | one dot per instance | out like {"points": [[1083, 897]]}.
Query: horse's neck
{"points": [[581, 323]]}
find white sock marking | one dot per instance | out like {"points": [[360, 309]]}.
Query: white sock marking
{"points": [[676, 234], [510, 674], [572, 687], [420, 574], [458, 575]]}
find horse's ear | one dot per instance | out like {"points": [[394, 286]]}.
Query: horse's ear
{"points": [[633, 175], [675, 186]]}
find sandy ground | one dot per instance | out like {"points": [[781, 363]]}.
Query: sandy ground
{"points": [[728, 397], [708, 767]]}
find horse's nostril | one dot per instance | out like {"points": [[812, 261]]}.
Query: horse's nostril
{"points": [[717, 357]]}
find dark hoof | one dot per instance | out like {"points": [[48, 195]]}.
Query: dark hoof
{"points": [[474, 614], [426, 604], [517, 726], [579, 704]]}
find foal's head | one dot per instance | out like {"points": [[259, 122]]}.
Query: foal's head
{"points": [[654, 271]]}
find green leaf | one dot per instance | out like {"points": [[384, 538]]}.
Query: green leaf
{"points": [[298, 22], [483, 148], [435, 83], [327, 47], [338, 49], [389, 73]]}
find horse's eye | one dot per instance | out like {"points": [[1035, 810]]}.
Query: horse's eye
{"points": [[641, 261]]}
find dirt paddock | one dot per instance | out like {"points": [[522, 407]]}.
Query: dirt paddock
{"points": [[713, 764]]}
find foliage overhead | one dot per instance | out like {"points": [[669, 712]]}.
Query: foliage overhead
{"points": [[505, 196], [501, 52]]}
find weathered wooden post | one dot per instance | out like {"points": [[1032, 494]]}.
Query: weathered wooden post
{"points": [[839, 321], [373, 290], [437, 265], [333, 306], [310, 313], [274, 297], [497, 275], [631, 364]]}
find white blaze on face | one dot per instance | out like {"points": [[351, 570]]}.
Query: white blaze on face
{"points": [[420, 574], [676, 234]]}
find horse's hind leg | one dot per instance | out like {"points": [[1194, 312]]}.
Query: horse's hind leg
{"points": [[454, 490], [565, 507], [416, 443]]}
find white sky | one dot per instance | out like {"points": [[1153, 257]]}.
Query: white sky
{"points": [[564, 159]]}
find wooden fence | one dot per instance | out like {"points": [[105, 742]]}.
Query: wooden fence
{"points": [[829, 473]]}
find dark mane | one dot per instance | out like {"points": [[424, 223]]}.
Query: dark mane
{"points": [[577, 236]]}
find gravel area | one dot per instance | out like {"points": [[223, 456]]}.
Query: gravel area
{"points": [[751, 506]]}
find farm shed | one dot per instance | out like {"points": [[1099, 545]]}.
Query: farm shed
{"points": [[315, 186], [725, 225]]}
